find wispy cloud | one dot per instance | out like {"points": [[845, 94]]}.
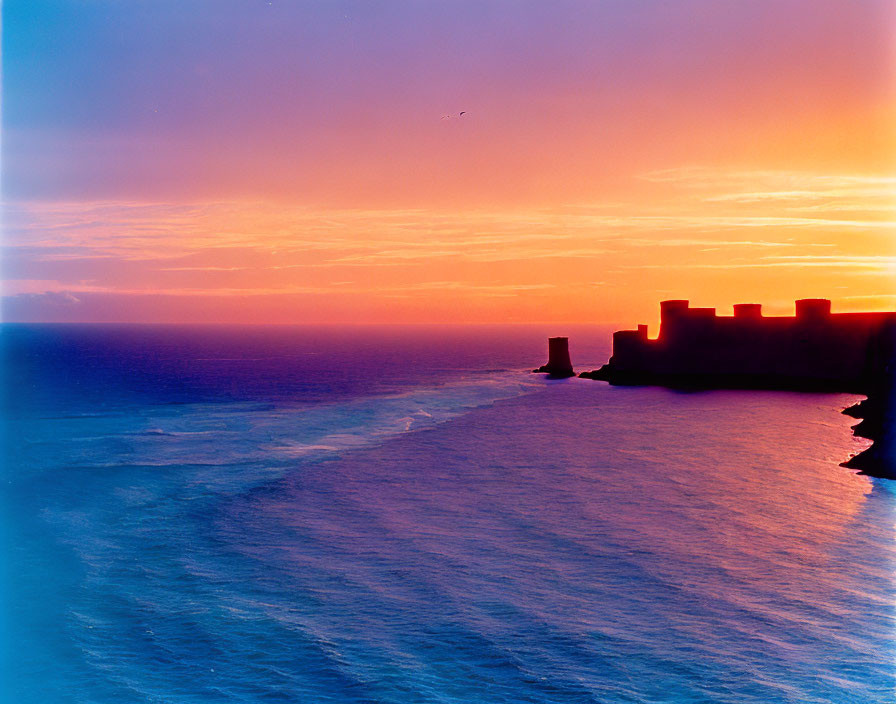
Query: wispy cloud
{"points": [[35, 287], [205, 268], [705, 176], [159, 232], [788, 191], [704, 219], [854, 264]]}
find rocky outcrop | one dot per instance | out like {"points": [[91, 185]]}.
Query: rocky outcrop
{"points": [[559, 365], [878, 412], [878, 424], [605, 373]]}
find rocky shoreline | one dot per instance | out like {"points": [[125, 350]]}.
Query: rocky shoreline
{"points": [[878, 424]]}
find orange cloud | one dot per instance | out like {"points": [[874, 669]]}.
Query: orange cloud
{"points": [[714, 235]]}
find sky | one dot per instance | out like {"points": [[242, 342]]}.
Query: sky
{"points": [[456, 161]]}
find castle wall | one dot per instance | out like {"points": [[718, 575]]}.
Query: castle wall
{"points": [[814, 345]]}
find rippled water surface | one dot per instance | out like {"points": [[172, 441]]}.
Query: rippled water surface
{"points": [[254, 515]]}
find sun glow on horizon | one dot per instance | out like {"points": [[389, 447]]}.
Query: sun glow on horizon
{"points": [[607, 159]]}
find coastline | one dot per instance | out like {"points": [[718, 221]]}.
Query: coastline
{"points": [[878, 424]]}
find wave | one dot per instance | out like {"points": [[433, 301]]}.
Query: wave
{"points": [[266, 436], [344, 426]]}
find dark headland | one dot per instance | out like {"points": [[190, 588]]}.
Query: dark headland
{"points": [[813, 350]]}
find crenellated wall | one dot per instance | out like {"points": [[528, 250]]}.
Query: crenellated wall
{"points": [[813, 348]]}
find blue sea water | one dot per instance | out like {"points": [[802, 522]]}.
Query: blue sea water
{"points": [[408, 515]]}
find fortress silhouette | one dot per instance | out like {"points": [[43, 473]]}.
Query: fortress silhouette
{"points": [[812, 350]]}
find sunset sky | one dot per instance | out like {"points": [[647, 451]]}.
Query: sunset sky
{"points": [[306, 161]]}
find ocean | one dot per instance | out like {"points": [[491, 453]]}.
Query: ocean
{"points": [[376, 514]]}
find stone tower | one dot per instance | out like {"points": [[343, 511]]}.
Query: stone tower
{"points": [[559, 365]]}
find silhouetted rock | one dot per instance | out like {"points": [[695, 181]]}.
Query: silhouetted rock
{"points": [[559, 365], [858, 410], [878, 411], [602, 374]]}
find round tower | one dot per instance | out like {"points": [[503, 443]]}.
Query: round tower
{"points": [[559, 364], [813, 308]]}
